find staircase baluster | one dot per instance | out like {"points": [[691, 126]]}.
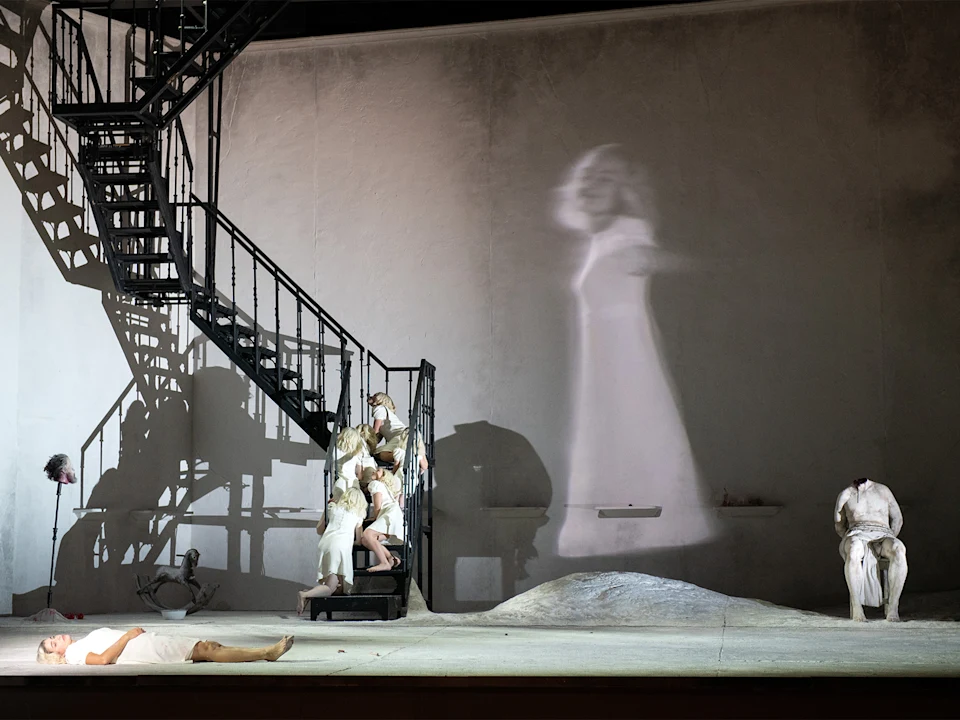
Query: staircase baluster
{"points": [[109, 49], [54, 58], [323, 367], [276, 310], [256, 332], [300, 354], [70, 46], [80, 59], [233, 287]]}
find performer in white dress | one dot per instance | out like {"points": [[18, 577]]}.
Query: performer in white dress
{"points": [[339, 529], [386, 422], [384, 488], [107, 647], [350, 461], [629, 444]]}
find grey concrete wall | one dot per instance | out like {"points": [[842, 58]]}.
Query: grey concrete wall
{"points": [[800, 163]]}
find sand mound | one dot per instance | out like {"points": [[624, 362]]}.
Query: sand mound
{"points": [[627, 599]]}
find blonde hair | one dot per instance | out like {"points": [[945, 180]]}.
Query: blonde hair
{"points": [[633, 185], [46, 657], [354, 501], [381, 398], [368, 435], [392, 482], [349, 442], [367, 476]]}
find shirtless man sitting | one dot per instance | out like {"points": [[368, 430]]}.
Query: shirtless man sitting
{"points": [[868, 519]]}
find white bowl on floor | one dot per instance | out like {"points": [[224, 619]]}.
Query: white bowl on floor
{"points": [[173, 614]]}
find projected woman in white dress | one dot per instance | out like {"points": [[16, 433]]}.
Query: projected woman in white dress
{"points": [[629, 445]]}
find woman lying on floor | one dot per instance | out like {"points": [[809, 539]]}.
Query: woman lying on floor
{"points": [[108, 647]]}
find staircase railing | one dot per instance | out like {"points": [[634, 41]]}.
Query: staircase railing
{"points": [[283, 344], [73, 76]]}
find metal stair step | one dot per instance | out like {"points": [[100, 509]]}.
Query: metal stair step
{"points": [[151, 285], [308, 396], [222, 310], [226, 329], [131, 206], [139, 232], [121, 178], [127, 150], [168, 59], [147, 82], [285, 374], [143, 258], [249, 351]]}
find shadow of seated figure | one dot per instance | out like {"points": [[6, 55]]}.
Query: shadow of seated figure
{"points": [[482, 468]]}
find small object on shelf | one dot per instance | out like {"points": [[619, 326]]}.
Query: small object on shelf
{"points": [[629, 511], [174, 614], [516, 511]]}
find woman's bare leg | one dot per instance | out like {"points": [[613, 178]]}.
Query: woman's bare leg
{"points": [[371, 540], [209, 651], [325, 589]]}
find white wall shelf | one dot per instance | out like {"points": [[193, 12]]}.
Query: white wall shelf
{"points": [[629, 511]]}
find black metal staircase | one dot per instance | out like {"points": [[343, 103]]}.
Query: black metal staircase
{"points": [[165, 245]]}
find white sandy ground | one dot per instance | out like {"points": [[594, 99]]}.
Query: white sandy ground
{"points": [[624, 624]]}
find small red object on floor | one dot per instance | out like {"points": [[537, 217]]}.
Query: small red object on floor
{"points": [[68, 616], [79, 616]]}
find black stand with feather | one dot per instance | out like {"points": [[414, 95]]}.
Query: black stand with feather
{"points": [[53, 550]]}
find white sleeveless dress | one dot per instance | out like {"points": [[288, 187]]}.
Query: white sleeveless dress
{"points": [[629, 445], [336, 545], [390, 518]]}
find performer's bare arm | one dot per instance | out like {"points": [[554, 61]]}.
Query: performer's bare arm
{"points": [[110, 655], [896, 516], [839, 517]]}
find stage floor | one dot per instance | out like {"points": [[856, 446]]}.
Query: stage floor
{"points": [[429, 646]]}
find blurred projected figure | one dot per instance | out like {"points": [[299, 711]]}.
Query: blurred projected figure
{"points": [[629, 446]]}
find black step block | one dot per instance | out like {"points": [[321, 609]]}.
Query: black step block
{"points": [[387, 606], [308, 395]]}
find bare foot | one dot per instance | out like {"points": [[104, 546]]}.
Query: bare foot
{"points": [[396, 561], [893, 617], [301, 601], [278, 650], [857, 615], [380, 567]]}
